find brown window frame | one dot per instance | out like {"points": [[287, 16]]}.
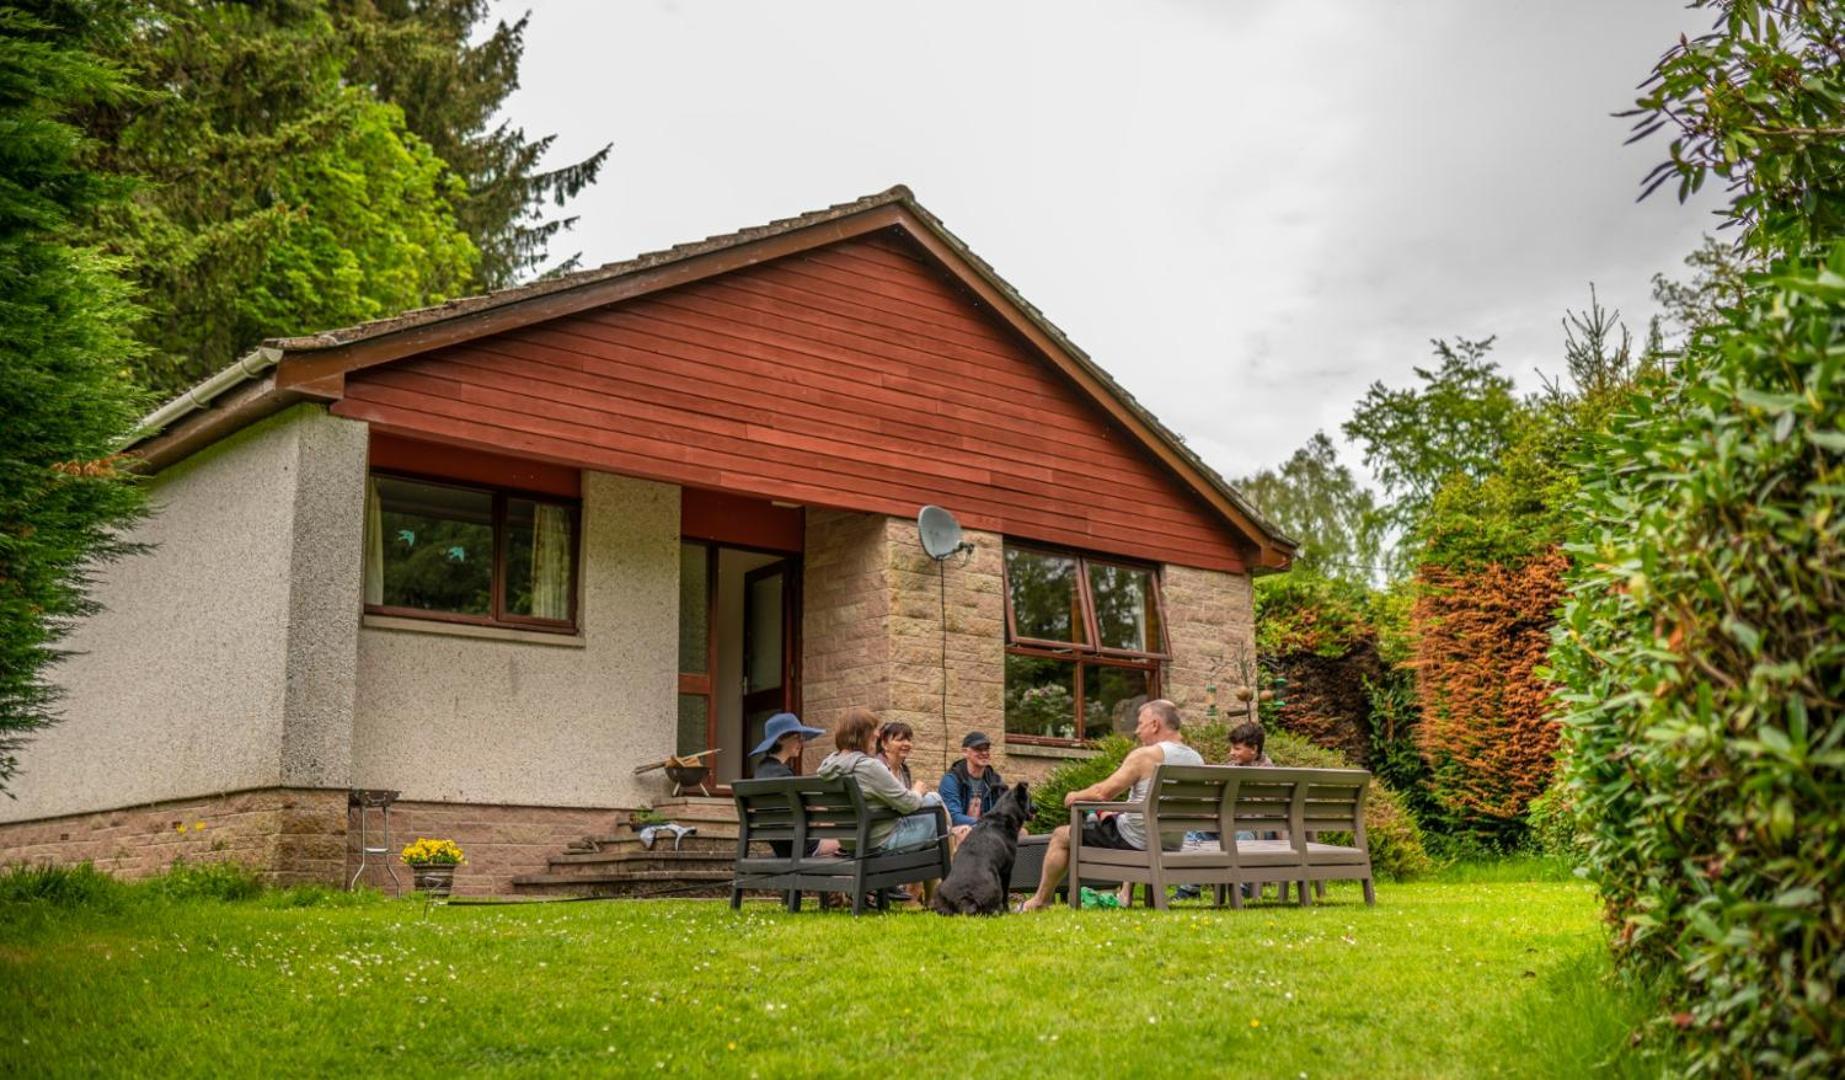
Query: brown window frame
{"points": [[1084, 656], [499, 617]]}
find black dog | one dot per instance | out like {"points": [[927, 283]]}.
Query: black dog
{"points": [[976, 884]]}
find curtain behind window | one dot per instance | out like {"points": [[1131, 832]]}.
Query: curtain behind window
{"points": [[374, 543], [551, 562]]}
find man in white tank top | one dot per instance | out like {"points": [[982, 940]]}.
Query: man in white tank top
{"points": [[1157, 727]]}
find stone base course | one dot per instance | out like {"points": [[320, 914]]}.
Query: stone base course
{"points": [[295, 836], [500, 841], [291, 836]]}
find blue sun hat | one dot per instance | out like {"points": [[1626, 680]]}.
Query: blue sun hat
{"points": [[781, 725]]}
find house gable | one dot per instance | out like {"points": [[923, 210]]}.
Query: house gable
{"points": [[319, 366], [854, 376]]}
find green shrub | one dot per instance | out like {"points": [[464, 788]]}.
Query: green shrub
{"points": [[1395, 839], [66, 887], [1048, 795], [218, 880], [1553, 825], [1702, 655]]}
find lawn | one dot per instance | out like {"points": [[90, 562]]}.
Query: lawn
{"points": [[1456, 978]]}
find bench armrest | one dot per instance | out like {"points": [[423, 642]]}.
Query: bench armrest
{"points": [[1134, 806]]}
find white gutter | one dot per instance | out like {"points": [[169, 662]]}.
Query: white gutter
{"points": [[252, 364]]}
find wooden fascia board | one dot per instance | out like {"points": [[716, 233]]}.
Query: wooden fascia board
{"points": [[1268, 555], [314, 371]]}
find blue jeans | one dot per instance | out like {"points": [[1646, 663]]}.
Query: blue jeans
{"points": [[914, 830]]}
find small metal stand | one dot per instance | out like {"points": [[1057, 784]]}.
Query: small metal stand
{"points": [[380, 802]]}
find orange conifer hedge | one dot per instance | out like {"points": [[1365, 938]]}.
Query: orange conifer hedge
{"points": [[1487, 732]]}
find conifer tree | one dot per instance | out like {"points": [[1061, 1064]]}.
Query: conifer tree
{"points": [[65, 396], [420, 55], [273, 196]]}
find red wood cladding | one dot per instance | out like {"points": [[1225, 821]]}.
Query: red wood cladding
{"points": [[855, 376], [738, 519], [397, 454]]}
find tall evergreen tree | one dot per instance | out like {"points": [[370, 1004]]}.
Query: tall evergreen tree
{"points": [[274, 196], [65, 398], [421, 56]]}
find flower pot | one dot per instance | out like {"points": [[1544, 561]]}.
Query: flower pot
{"points": [[434, 879]]}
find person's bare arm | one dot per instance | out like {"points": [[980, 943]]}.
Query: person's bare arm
{"points": [[1135, 767]]}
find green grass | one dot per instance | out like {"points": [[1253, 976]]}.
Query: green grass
{"points": [[1440, 979]]}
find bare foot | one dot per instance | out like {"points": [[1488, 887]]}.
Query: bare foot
{"points": [[1032, 904]]}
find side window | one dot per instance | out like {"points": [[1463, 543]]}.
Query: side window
{"points": [[1084, 641], [465, 554]]}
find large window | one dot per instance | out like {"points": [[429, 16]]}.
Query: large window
{"points": [[1084, 638], [466, 554]]}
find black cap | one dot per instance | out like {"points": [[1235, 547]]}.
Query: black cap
{"points": [[975, 738]]}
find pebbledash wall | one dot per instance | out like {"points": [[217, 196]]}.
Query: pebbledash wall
{"points": [[230, 695], [873, 636]]}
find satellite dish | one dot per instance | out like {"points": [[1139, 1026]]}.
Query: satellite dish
{"points": [[941, 533]]}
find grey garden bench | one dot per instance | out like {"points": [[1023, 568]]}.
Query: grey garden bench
{"points": [[792, 812], [1297, 804]]}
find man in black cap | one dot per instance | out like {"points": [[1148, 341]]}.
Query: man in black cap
{"points": [[972, 785]]}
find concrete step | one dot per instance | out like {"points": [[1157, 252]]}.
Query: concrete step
{"points": [[710, 830], [637, 883], [692, 810], [715, 845], [635, 861]]}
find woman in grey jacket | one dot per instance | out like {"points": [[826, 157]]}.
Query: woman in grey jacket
{"points": [[853, 758]]}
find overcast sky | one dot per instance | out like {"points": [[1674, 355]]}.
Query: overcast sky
{"points": [[1246, 212]]}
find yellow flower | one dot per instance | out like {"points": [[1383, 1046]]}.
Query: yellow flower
{"points": [[439, 852]]}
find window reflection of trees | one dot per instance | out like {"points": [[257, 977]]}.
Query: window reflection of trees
{"points": [[437, 565], [1051, 662], [1046, 603], [435, 547]]}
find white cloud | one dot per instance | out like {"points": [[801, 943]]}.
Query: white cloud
{"points": [[1246, 212]]}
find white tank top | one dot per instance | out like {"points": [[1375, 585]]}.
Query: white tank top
{"points": [[1133, 826]]}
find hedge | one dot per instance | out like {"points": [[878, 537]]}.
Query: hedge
{"points": [[1703, 656], [1487, 732]]}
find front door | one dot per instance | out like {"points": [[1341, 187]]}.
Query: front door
{"points": [[739, 648], [768, 659]]}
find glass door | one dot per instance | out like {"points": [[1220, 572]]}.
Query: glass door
{"points": [[768, 662]]}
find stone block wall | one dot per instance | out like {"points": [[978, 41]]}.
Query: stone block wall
{"points": [[976, 644], [295, 836], [872, 633], [873, 636], [499, 842], [1210, 626], [845, 620], [291, 836]]}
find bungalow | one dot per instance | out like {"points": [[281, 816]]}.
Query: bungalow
{"points": [[495, 554]]}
